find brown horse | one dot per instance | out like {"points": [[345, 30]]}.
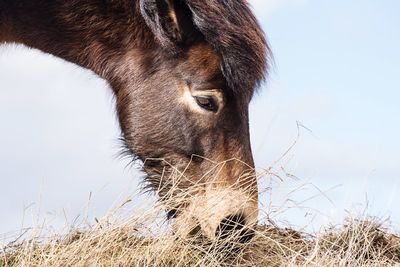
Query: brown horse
{"points": [[183, 73]]}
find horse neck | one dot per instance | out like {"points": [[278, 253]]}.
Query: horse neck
{"points": [[91, 33]]}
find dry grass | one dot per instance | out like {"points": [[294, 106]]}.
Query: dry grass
{"points": [[147, 239], [358, 243]]}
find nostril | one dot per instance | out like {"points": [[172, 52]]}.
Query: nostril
{"points": [[230, 224], [234, 226]]}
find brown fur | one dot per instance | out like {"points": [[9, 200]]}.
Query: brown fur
{"points": [[150, 52]]}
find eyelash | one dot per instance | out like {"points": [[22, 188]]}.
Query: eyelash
{"points": [[207, 102]]}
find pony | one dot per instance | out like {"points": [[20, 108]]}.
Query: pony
{"points": [[183, 73]]}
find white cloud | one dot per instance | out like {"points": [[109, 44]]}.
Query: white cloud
{"points": [[58, 140]]}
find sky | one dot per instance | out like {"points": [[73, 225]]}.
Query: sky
{"points": [[332, 97]]}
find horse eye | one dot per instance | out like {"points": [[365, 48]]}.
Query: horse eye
{"points": [[207, 102]]}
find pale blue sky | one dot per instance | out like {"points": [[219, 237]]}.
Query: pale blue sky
{"points": [[336, 72]]}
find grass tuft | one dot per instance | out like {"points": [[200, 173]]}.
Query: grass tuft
{"points": [[146, 238], [357, 243]]}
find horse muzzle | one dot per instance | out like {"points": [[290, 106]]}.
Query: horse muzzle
{"points": [[220, 214]]}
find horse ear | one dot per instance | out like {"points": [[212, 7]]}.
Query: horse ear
{"points": [[169, 20]]}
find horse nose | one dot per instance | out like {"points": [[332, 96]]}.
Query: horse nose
{"points": [[234, 226], [220, 214]]}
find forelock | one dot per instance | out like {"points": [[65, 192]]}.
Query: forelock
{"points": [[230, 27]]}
